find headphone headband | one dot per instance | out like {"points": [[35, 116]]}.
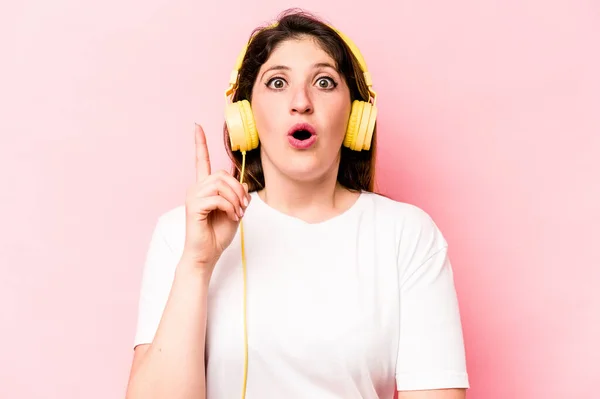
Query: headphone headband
{"points": [[233, 77]]}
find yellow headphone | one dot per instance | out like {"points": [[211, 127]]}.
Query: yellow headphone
{"points": [[243, 137]]}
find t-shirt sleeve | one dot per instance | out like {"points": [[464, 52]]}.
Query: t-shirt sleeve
{"points": [[157, 278], [431, 352]]}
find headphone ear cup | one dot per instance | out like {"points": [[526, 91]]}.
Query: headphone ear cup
{"points": [[356, 113], [370, 127], [361, 125], [365, 130], [241, 127], [251, 134]]}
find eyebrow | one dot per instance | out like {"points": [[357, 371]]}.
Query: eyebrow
{"points": [[287, 68]]}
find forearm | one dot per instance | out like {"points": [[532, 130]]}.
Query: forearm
{"points": [[173, 367]]}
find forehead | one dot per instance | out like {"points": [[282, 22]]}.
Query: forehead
{"points": [[299, 52]]}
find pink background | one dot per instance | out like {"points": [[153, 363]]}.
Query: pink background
{"points": [[489, 120]]}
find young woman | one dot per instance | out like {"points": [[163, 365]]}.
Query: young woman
{"points": [[290, 277]]}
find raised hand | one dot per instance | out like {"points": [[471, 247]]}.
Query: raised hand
{"points": [[214, 205]]}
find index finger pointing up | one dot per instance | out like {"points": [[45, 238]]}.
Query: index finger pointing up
{"points": [[202, 158]]}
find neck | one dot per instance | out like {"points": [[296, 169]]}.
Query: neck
{"points": [[313, 201]]}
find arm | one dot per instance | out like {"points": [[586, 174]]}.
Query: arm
{"points": [[431, 360], [172, 366], [169, 341]]}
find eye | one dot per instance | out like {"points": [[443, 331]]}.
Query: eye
{"points": [[326, 83], [276, 83]]}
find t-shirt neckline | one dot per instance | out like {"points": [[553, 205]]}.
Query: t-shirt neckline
{"points": [[264, 207]]}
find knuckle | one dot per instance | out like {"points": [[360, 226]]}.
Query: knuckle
{"points": [[220, 186], [211, 186]]}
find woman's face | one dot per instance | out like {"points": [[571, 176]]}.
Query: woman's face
{"points": [[298, 87]]}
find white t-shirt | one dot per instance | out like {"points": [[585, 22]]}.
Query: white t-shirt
{"points": [[354, 307]]}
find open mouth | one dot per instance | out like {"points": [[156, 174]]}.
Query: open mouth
{"points": [[302, 134]]}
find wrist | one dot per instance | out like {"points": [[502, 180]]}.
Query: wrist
{"points": [[194, 269]]}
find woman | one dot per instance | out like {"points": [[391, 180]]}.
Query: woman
{"points": [[348, 294]]}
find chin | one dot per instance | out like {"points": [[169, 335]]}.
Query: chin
{"points": [[309, 171], [302, 166], [304, 174], [303, 170]]}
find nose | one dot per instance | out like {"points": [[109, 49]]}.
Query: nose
{"points": [[301, 102]]}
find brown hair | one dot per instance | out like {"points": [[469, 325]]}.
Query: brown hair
{"points": [[357, 168]]}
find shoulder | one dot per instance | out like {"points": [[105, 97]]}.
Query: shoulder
{"points": [[404, 217], [394, 207], [170, 226], [173, 217], [416, 234]]}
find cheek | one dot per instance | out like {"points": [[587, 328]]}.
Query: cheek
{"points": [[265, 118], [340, 120]]}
